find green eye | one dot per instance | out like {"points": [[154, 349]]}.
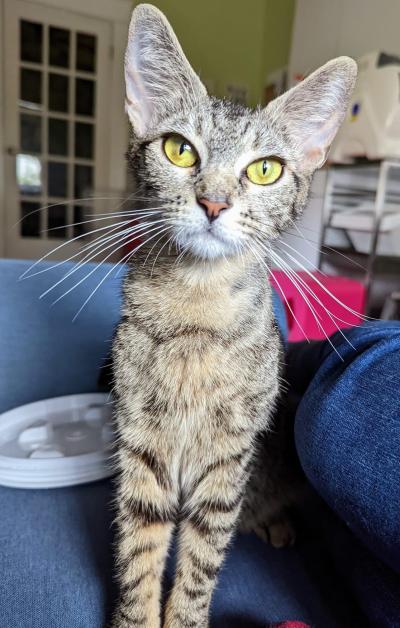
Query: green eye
{"points": [[179, 151], [264, 171]]}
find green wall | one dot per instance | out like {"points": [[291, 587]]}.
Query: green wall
{"points": [[233, 41], [277, 35]]}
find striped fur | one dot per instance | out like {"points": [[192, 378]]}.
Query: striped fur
{"points": [[197, 354]]}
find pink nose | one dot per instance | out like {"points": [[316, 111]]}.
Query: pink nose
{"points": [[212, 208]]}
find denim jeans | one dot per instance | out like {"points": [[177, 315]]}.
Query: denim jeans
{"points": [[56, 558], [348, 438]]}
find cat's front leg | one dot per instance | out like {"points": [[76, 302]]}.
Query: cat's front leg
{"points": [[145, 520], [205, 531]]}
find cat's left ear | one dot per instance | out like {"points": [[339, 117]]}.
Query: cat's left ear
{"points": [[311, 113], [157, 74]]}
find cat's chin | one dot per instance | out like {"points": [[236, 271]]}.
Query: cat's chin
{"points": [[207, 245]]}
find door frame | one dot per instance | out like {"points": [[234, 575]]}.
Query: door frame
{"points": [[117, 14]]}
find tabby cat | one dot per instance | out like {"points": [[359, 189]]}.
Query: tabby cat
{"points": [[197, 354]]}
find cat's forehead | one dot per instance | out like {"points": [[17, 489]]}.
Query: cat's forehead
{"points": [[226, 130]]}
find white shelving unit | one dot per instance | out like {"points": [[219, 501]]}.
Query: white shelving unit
{"points": [[362, 212]]}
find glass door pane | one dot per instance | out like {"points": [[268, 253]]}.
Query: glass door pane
{"points": [[57, 100], [57, 70]]}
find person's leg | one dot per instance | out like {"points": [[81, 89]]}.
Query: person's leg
{"points": [[347, 433], [374, 585]]}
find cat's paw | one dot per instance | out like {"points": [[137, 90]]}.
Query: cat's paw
{"points": [[281, 533], [278, 532]]}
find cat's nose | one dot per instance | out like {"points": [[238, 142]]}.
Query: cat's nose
{"points": [[213, 207]]}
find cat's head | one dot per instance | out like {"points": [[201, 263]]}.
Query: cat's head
{"points": [[226, 176]]}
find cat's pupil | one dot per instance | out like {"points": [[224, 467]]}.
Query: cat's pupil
{"points": [[264, 166], [183, 147]]}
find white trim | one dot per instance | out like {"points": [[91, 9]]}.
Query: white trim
{"points": [[119, 129], [113, 10]]}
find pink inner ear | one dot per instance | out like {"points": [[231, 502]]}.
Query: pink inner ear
{"points": [[313, 158], [316, 146]]}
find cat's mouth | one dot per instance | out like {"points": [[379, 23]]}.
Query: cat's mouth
{"points": [[209, 242], [211, 232], [214, 232]]}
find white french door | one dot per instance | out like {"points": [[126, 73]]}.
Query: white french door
{"points": [[57, 108]]}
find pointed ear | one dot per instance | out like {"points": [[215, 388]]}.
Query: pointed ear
{"points": [[312, 112], [157, 72]]}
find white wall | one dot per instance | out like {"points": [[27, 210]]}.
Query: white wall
{"points": [[324, 29]]}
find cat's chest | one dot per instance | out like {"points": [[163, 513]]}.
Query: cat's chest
{"points": [[193, 366], [196, 347], [197, 364]]}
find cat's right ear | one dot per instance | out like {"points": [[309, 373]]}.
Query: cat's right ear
{"points": [[157, 74]]}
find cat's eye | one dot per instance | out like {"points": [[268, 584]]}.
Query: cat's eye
{"points": [[264, 171], [180, 152]]}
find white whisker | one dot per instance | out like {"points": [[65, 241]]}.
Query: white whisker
{"points": [[111, 228], [260, 258], [73, 200], [170, 239], [294, 279], [151, 250], [138, 214], [318, 248], [128, 233], [333, 317], [325, 289], [125, 258], [25, 273], [181, 255], [314, 267]]}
